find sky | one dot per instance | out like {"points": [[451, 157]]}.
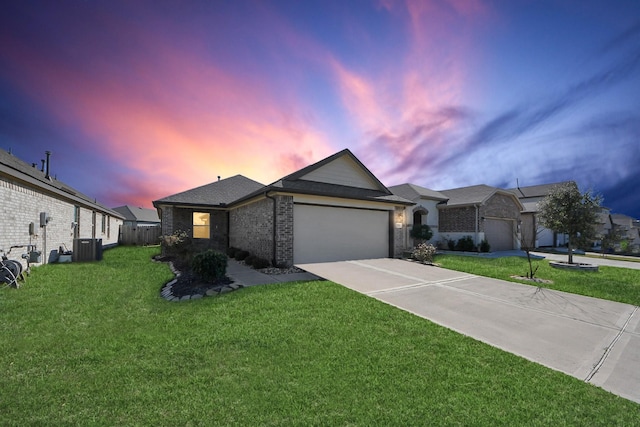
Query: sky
{"points": [[138, 100]]}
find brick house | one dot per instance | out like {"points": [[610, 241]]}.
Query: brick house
{"points": [[41, 213], [482, 212], [423, 212], [335, 209], [530, 196], [479, 211]]}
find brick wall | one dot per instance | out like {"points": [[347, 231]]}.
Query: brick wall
{"points": [[22, 205], [284, 230], [182, 219], [499, 206], [250, 228], [463, 219], [167, 220], [457, 220]]}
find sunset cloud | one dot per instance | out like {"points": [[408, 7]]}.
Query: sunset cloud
{"points": [[139, 100]]}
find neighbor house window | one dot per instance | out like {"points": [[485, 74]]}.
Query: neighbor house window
{"points": [[104, 223], [201, 225]]}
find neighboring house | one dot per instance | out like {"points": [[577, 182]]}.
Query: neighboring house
{"points": [[479, 211], [604, 226], [335, 209], [141, 226], [42, 212], [424, 212], [530, 196], [482, 212], [629, 231], [139, 217]]}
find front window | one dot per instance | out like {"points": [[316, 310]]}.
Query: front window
{"points": [[201, 225]]}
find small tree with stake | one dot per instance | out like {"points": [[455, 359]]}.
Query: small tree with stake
{"points": [[565, 210], [528, 237]]}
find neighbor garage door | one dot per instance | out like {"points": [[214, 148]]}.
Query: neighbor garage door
{"points": [[322, 234], [499, 234]]}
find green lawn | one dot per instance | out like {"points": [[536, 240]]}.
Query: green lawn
{"points": [[612, 283], [94, 344]]}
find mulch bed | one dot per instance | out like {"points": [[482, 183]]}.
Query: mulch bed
{"points": [[188, 284]]}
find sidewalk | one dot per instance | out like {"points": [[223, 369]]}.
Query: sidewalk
{"points": [[245, 276], [590, 260]]}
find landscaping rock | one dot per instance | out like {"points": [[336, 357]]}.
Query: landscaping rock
{"points": [[186, 286]]}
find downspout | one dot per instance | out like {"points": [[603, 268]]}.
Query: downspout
{"points": [[273, 259]]}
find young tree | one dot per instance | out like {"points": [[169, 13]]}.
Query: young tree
{"points": [[529, 232], [565, 210]]}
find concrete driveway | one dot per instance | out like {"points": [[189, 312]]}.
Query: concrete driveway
{"points": [[594, 340]]}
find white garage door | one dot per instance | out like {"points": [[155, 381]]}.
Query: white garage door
{"points": [[323, 234], [499, 234]]}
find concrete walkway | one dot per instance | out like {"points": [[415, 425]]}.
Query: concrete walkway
{"points": [[594, 340], [245, 276]]}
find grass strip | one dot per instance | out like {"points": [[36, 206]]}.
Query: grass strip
{"points": [[611, 283], [94, 344]]}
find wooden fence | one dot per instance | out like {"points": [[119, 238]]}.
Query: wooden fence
{"points": [[139, 235]]}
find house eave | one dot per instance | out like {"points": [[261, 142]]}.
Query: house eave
{"points": [[35, 183]]}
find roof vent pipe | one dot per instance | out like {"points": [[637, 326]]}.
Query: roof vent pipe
{"points": [[218, 177], [42, 165], [48, 153]]}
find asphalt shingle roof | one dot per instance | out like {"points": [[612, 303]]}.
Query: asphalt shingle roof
{"points": [[535, 190], [219, 193], [133, 213], [475, 194], [293, 183], [413, 191], [13, 166]]}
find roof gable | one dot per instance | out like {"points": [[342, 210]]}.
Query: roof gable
{"points": [[342, 171], [342, 168], [219, 193], [475, 195], [340, 175]]}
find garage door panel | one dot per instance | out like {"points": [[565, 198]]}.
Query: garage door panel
{"points": [[323, 233], [499, 234]]}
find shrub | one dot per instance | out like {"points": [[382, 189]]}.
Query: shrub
{"points": [[249, 260], [451, 244], [259, 263], [209, 265], [465, 244], [422, 232], [242, 255], [485, 246], [424, 252], [231, 251], [177, 245]]}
